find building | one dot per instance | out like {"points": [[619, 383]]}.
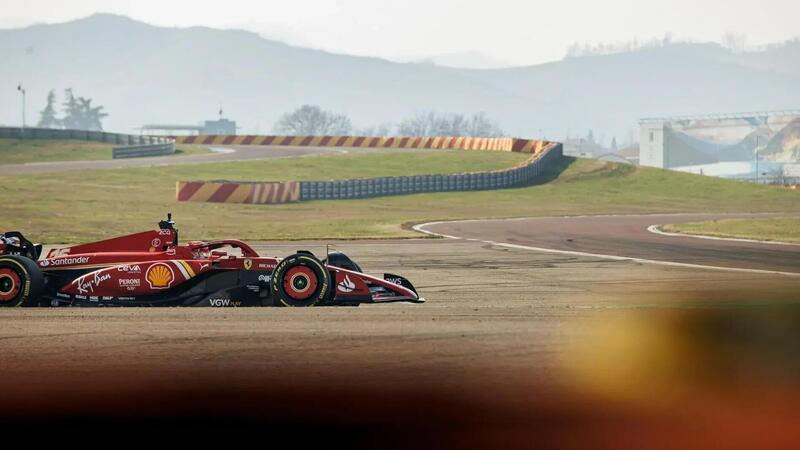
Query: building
{"points": [[219, 127], [726, 145]]}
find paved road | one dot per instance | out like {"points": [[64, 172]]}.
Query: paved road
{"points": [[628, 237], [228, 153]]}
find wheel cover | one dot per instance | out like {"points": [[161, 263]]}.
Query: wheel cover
{"points": [[300, 283], [10, 285]]}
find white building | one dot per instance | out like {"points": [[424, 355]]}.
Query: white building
{"points": [[721, 144]]}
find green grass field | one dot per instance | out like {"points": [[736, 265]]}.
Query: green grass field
{"points": [[78, 206], [786, 229], [19, 151]]}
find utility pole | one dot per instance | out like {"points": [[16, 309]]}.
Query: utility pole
{"points": [[756, 152], [22, 90]]}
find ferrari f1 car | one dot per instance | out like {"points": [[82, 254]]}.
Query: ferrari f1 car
{"points": [[152, 269]]}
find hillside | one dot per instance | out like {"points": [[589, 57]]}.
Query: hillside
{"points": [[145, 74]]}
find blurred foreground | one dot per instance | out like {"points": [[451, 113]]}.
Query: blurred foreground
{"points": [[513, 350]]}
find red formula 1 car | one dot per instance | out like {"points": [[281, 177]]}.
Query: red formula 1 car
{"points": [[152, 269]]}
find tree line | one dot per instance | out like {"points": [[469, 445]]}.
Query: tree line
{"points": [[78, 113], [311, 120]]}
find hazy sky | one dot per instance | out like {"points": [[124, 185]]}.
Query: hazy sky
{"points": [[510, 31]]}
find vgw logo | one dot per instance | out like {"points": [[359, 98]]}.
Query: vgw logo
{"points": [[223, 302]]}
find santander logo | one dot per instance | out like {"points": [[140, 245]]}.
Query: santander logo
{"points": [[346, 286]]}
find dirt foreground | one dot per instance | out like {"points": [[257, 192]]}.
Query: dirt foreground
{"points": [[513, 347]]}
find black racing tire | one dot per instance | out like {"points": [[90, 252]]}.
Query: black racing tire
{"points": [[300, 280], [21, 281]]}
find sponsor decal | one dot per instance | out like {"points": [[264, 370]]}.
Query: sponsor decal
{"points": [[266, 266], [130, 283], [248, 264], [88, 283], [186, 269], [160, 276], [56, 252], [397, 281], [156, 242], [264, 278], [346, 286], [62, 295], [130, 269], [163, 233], [65, 261], [223, 302]]}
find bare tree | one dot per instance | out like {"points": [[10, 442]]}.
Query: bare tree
{"points": [[384, 129], [480, 125], [423, 124], [310, 120], [435, 124], [735, 42], [578, 50]]}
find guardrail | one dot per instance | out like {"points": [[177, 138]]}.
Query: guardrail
{"points": [[140, 151], [524, 174], [139, 145], [440, 142], [527, 173]]}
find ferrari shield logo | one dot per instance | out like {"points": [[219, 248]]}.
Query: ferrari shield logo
{"points": [[248, 263]]}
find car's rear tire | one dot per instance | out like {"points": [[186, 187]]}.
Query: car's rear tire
{"points": [[300, 280], [21, 281]]}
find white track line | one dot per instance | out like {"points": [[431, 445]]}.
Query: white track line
{"points": [[222, 150], [655, 229], [421, 228]]}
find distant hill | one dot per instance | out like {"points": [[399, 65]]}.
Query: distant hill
{"points": [[146, 74]]}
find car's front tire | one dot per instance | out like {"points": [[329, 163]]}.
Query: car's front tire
{"points": [[21, 281], [300, 280]]}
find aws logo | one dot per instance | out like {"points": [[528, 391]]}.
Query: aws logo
{"points": [[160, 276]]}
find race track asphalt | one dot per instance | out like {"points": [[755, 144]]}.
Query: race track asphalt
{"points": [[220, 154], [628, 237]]}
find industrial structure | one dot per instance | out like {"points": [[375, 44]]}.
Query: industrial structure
{"points": [[757, 146]]}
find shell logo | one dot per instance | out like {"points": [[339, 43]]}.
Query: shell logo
{"points": [[160, 276]]}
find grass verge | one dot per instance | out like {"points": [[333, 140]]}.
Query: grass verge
{"points": [[785, 229], [79, 206], [20, 151]]}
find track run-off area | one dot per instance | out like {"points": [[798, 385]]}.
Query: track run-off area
{"points": [[217, 154], [632, 238]]}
